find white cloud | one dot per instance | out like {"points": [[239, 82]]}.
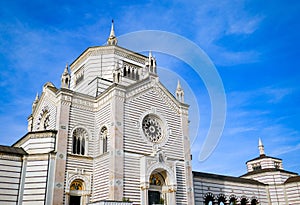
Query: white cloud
{"points": [[218, 19], [244, 25], [276, 94], [285, 149]]}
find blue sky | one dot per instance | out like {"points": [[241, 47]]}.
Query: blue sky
{"points": [[254, 46]]}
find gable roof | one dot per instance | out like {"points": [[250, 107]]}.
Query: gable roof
{"points": [[263, 157], [12, 150], [27, 135], [226, 178], [268, 170], [292, 179]]}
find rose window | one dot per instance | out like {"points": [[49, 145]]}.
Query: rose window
{"points": [[152, 128]]}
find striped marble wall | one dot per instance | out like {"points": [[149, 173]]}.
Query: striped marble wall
{"points": [[10, 177]]}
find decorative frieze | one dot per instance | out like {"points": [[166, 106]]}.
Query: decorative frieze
{"points": [[10, 157], [130, 56]]}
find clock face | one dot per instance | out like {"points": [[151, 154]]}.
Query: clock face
{"points": [[152, 128]]}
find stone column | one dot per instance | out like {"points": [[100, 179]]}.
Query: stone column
{"points": [[144, 193], [171, 194], [67, 198]]}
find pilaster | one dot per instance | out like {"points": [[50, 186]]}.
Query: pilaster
{"points": [[61, 147], [50, 178], [187, 155], [116, 145], [22, 180]]}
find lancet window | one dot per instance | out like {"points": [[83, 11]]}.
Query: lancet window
{"points": [[103, 138], [79, 141]]}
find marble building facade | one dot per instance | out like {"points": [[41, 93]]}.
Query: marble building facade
{"points": [[113, 134]]}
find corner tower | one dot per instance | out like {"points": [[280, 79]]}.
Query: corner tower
{"points": [[263, 161]]}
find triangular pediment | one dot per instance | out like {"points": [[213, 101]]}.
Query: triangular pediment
{"points": [[154, 86]]}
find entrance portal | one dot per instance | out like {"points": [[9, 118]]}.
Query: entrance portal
{"points": [[154, 197], [155, 191], [75, 200], [76, 188]]}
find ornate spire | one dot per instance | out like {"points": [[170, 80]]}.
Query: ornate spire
{"points": [[112, 40], [36, 97], [179, 93], [65, 78], [178, 85], [261, 148], [66, 71], [35, 102]]}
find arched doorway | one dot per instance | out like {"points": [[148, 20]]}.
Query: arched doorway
{"points": [[157, 182], [155, 192], [76, 189]]}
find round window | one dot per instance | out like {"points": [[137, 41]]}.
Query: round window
{"points": [[152, 128]]}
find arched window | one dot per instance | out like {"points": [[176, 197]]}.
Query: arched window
{"points": [[103, 137], [232, 201], [79, 141], [44, 119], [124, 71], [209, 199], [254, 202], [137, 77], [244, 201], [221, 199]]}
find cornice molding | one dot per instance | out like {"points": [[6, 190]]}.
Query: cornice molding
{"points": [[101, 50]]}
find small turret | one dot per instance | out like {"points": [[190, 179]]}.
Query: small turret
{"points": [[179, 93], [65, 78], [261, 148], [151, 63], [112, 39]]}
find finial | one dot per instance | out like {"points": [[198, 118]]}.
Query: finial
{"points": [[261, 147], [178, 85], [260, 142], [179, 92], [36, 97], [66, 71], [112, 40], [112, 30], [65, 77], [151, 63], [35, 102]]}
